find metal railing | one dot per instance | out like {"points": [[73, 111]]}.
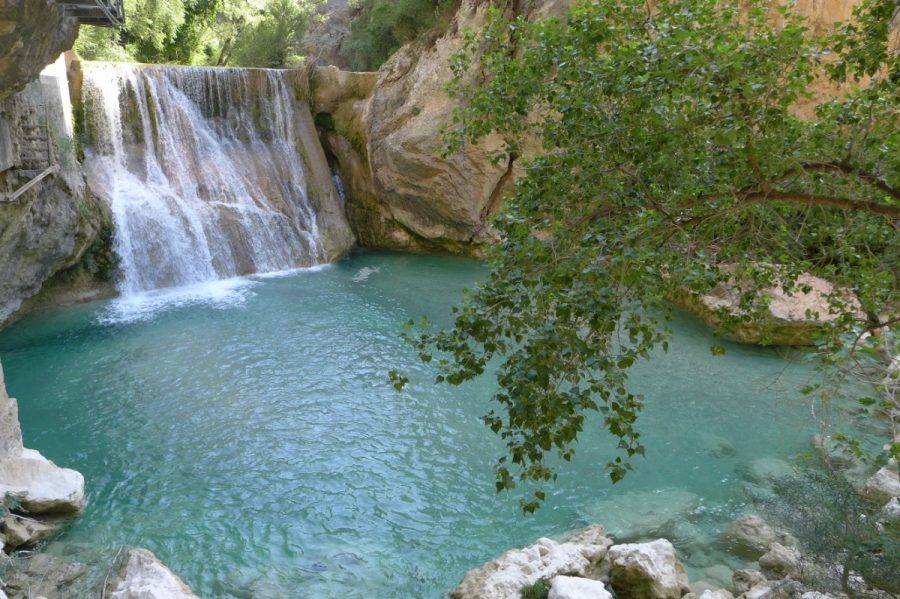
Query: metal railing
{"points": [[102, 13]]}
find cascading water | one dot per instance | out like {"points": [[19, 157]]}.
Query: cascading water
{"points": [[203, 172]]}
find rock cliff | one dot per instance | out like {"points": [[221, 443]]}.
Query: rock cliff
{"points": [[383, 133], [52, 225], [32, 34]]}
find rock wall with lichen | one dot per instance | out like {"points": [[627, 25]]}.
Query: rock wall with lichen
{"points": [[32, 34], [56, 226]]}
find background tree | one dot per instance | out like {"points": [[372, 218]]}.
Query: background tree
{"points": [[670, 161], [382, 26], [253, 33]]}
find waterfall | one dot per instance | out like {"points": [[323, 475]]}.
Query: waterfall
{"points": [[203, 171]]}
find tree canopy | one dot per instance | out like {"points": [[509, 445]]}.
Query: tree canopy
{"points": [[252, 33], [662, 155]]}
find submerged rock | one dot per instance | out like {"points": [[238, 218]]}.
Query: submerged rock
{"points": [[638, 514], [506, 576], [751, 537], [21, 532], [44, 575], [572, 587], [143, 576], [647, 571], [764, 471]]}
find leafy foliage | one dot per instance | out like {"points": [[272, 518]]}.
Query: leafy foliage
{"points": [[840, 529], [257, 33], [538, 590], [274, 39], [382, 26], [670, 161]]}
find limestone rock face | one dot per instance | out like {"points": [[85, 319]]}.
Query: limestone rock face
{"points": [[504, 577], [386, 144], [50, 227], [648, 571], [10, 431], [143, 576], [572, 587], [32, 34], [39, 485]]}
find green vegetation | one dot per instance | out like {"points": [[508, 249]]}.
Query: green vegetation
{"points": [[672, 161], [253, 33], [538, 590], [382, 26], [840, 529]]}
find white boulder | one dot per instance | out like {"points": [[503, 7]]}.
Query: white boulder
{"points": [[647, 571], [143, 576], [643, 514], [39, 485], [573, 587], [719, 594], [506, 576], [884, 484]]}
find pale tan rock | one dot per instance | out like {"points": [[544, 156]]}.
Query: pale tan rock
{"points": [[793, 319]]}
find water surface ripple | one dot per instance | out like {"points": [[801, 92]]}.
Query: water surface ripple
{"points": [[253, 443]]}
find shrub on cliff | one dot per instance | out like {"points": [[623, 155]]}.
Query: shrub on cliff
{"points": [[670, 160], [382, 26]]}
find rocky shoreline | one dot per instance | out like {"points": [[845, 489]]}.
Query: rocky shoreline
{"points": [[39, 499]]}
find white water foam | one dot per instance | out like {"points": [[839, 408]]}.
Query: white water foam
{"points": [[147, 305]]}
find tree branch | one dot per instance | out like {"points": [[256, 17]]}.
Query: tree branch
{"points": [[820, 200]]}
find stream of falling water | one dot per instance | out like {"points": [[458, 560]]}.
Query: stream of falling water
{"points": [[202, 171]]}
